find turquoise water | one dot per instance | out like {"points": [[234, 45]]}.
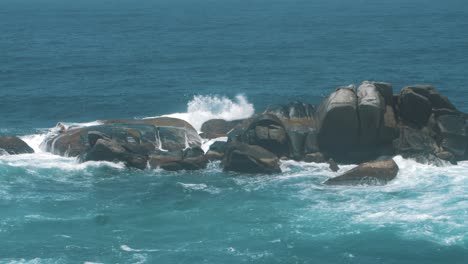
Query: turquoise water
{"points": [[87, 60]]}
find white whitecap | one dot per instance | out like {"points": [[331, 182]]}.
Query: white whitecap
{"points": [[203, 108]]}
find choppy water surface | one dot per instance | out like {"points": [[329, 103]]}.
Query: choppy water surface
{"points": [[86, 60]]}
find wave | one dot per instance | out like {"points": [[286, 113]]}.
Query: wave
{"points": [[203, 108]]}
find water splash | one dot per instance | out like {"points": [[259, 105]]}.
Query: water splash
{"points": [[203, 108]]}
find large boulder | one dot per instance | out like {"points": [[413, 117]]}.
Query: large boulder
{"points": [[302, 136], [216, 128], [372, 173], [14, 145], [268, 132], [250, 159], [414, 107], [111, 150], [371, 108], [338, 122], [185, 131], [386, 90], [76, 142], [452, 134], [416, 104]]}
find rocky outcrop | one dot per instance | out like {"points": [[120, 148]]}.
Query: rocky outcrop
{"points": [[371, 173], [13, 146], [350, 126], [245, 158], [129, 142], [216, 128]]}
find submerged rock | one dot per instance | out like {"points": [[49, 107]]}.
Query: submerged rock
{"points": [[372, 173], [13, 146], [250, 159]]}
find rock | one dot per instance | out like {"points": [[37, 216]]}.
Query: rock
{"points": [[390, 129], [293, 110], [250, 159], [215, 128], [76, 141], [437, 100], [371, 107], [372, 173], [338, 122], [386, 90], [216, 151], [188, 159], [14, 145], [417, 103], [186, 133], [447, 156], [268, 132], [333, 166], [414, 141], [414, 107], [302, 137], [453, 134], [111, 150], [317, 157]]}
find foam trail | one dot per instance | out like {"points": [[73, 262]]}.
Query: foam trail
{"points": [[203, 108], [129, 249]]}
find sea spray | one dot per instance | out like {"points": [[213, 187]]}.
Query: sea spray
{"points": [[203, 108]]}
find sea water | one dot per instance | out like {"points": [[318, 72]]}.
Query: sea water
{"points": [[81, 61]]}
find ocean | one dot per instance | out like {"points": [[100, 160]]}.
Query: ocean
{"points": [[81, 61]]}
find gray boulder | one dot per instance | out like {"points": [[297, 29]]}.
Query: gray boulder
{"points": [[250, 159], [370, 173], [111, 150], [453, 134], [268, 132], [187, 159], [338, 122], [371, 108], [13, 146]]}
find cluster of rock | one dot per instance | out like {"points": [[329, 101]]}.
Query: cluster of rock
{"points": [[350, 126]]}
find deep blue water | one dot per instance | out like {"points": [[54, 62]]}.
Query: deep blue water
{"points": [[78, 61]]}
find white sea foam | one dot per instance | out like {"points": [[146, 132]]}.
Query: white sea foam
{"points": [[43, 160], [129, 249], [203, 108]]}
